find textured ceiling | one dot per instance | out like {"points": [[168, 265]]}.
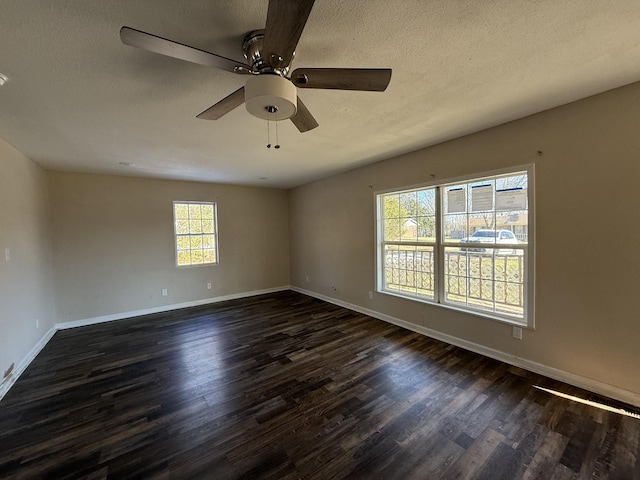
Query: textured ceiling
{"points": [[77, 99]]}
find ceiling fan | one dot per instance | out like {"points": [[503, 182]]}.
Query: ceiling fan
{"points": [[270, 92]]}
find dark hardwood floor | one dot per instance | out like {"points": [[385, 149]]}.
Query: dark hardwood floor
{"points": [[284, 386]]}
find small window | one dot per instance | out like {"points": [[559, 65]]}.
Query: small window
{"points": [[196, 232]]}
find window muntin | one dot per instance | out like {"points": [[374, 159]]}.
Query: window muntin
{"points": [[479, 260], [494, 204], [409, 270], [409, 242], [195, 227], [485, 281], [409, 216]]}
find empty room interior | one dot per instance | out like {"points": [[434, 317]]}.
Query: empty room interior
{"points": [[298, 239]]}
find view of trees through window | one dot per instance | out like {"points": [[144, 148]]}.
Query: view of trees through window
{"points": [[195, 231], [478, 260]]}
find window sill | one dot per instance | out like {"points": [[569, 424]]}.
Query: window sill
{"points": [[529, 325]]}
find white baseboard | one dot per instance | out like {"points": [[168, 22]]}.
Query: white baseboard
{"points": [[595, 386], [589, 384], [22, 366], [165, 308], [26, 361]]}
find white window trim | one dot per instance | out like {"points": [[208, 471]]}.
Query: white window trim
{"points": [[528, 320], [175, 234]]}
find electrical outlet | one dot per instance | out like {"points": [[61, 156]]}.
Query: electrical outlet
{"points": [[37, 323], [209, 286], [7, 254], [370, 295], [307, 278], [165, 292], [517, 333]]}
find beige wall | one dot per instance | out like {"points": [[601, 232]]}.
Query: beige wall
{"points": [[587, 231], [109, 249], [114, 248], [25, 280]]}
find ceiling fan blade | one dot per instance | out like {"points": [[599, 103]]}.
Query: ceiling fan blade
{"points": [[367, 79], [285, 22], [224, 106], [163, 46], [303, 119]]}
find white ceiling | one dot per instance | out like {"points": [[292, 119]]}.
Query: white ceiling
{"points": [[77, 99]]}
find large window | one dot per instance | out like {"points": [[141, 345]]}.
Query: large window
{"points": [[196, 233], [464, 244]]}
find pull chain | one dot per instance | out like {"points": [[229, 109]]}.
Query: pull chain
{"points": [[272, 114], [268, 135]]}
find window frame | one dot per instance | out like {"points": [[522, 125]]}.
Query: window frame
{"points": [[176, 235], [440, 245]]}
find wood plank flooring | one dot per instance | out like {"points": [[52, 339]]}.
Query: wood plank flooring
{"points": [[284, 386]]}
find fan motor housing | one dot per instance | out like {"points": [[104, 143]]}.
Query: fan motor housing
{"points": [[252, 47], [270, 97]]}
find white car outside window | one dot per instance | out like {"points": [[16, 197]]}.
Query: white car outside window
{"points": [[490, 236]]}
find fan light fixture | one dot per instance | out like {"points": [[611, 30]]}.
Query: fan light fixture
{"points": [[270, 97], [270, 92]]}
